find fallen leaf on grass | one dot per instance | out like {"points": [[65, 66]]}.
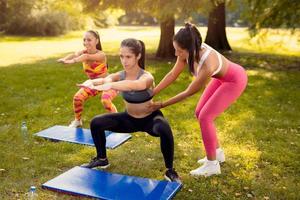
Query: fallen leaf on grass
{"points": [[249, 195], [237, 194], [246, 188]]}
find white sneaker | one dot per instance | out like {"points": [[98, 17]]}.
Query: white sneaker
{"points": [[76, 123], [220, 156], [210, 167]]}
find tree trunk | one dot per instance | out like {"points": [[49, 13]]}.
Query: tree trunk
{"points": [[165, 48], [216, 32], [3, 13]]}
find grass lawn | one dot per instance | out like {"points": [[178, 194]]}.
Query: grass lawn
{"points": [[260, 133]]}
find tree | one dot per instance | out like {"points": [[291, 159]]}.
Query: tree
{"points": [[216, 31], [3, 13], [165, 47], [166, 16], [165, 11]]}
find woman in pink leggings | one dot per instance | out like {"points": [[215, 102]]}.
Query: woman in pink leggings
{"points": [[227, 82]]}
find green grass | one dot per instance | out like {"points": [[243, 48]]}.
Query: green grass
{"points": [[260, 133]]}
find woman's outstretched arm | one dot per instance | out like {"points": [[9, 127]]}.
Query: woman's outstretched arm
{"points": [[171, 76], [70, 56], [144, 82], [198, 83]]}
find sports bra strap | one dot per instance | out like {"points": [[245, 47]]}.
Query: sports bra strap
{"points": [[141, 72], [203, 58], [122, 75]]}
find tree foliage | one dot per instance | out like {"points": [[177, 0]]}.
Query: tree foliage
{"points": [[272, 14], [159, 9]]}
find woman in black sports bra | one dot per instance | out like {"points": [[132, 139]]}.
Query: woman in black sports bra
{"points": [[135, 85]]}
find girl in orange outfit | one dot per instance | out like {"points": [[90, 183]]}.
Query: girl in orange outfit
{"points": [[94, 65]]}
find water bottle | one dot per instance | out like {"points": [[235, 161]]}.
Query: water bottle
{"points": [[32, 193], [24, 131]]}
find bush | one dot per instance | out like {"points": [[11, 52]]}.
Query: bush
{"points": [[44, 23]]}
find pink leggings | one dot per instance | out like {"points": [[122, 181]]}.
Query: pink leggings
{"points": [[216, 98]]}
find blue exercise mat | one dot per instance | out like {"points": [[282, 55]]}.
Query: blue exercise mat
{"points": [[105, 185], [82, 136]]}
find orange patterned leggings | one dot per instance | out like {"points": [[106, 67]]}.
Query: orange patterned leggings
{"points": [[85, 93]]}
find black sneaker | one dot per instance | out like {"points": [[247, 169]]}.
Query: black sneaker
{"points": [[171, 175], [97, 162]]}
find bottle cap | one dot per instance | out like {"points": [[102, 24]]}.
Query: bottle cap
{"points": [[32, 188]]}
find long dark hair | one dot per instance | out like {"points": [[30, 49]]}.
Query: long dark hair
{"points": [[189, 38], [96, 34], [137, 47]]}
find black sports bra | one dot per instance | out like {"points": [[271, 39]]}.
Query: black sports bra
{"points": [[138, 96]]}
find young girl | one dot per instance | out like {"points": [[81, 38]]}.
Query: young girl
{"points": [[136, 86], [94, 65], [228, 81]]}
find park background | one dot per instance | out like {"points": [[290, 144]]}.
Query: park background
{"points": [[260, 133]]}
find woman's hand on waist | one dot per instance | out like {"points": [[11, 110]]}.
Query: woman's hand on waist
{"points": [[154, 106]]}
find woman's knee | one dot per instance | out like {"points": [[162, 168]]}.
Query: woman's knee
{"points": [[163, 129], [97, 122], [77, 98], [204, 117]]}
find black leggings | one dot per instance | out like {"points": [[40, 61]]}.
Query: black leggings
{"points": [[154, 124]]}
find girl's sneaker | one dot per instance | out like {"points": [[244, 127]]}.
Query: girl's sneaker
{"points": [[210, 167], [76, 123]]}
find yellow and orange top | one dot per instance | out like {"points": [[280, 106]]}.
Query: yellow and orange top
{"points": [[94, 69]]}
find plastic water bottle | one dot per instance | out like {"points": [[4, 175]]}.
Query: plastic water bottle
{"points": [[24, 131], [32, 193]]}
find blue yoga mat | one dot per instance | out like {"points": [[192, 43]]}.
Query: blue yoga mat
{"points": [[105, 185], [82, 136]]}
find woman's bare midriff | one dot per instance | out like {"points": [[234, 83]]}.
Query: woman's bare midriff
{"points": [[138, 110]]}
